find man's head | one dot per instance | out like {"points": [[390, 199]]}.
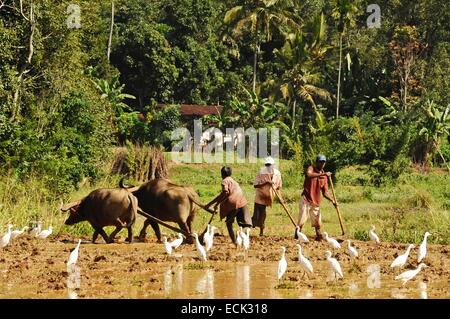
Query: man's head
{"points": [[225, 171], [320, 161]]}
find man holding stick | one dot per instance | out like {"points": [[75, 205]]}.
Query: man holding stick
{"points": [[316, 182], [268, 179]]}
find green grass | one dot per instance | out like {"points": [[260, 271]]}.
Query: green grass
{"points": [[401, 212]]}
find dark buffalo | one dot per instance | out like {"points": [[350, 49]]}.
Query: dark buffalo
{"points": [[166, 201], [104, 207]]}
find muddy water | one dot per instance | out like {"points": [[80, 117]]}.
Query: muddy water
{"points": [[245, 281], [36, 269]]}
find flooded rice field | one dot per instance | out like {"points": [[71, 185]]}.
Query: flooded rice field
{"points": [[32, 268]]}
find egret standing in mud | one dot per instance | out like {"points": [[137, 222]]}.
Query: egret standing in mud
{"points": [[45, 233], [239, 238], [177, 242], [333, 242], [200, 249], [423, 248], [301, 237], [400, 261], [246, 242], [282, 264], [6, 238], [35, 231], [352, 251], [410, 274], [167, 246], [16, 233], [305, 264], [208, 237], [334, 265], [373, 236], [74, 255]]}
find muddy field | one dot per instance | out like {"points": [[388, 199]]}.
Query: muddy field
{"points": [[31, 268]]}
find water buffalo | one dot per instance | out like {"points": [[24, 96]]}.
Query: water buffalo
{"points": [[166, 201], [104, 207]]}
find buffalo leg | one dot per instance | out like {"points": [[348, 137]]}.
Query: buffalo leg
{"points": [[100, 231], [130, 235], [155, 227], [94, 237], [143, 232], [114, 233]]}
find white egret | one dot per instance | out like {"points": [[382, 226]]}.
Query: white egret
{"points": [[36, 230], [423, 248], [45, 233], [352, 250], [17, 233], [373, 236], [246, 241], [301, 237], [282, 264], [410, 274], [167, 246], [401, 260], [239, 237], [207, 240], [333, 242], [305, 264], [177, 242], [334, 265], [6, 238], [200, 249], [74, 255]]}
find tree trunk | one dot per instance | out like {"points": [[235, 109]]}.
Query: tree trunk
{"points": [[111, 30], [293, 113], [339, 76], [255, 59], [23, 70]]}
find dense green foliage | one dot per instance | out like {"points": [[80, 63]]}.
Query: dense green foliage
{"points": [[269, 62]]}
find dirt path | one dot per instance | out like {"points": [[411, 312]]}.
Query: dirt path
{"points": [[31, 268]]}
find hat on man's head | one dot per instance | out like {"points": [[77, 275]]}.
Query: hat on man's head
{"points": [[321, 157], [269, 160]]}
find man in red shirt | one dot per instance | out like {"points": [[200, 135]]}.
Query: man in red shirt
{"points": [[233, 204], [316, 182]]}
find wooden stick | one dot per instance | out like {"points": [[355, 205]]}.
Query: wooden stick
{"points": [[284, 206], [337, 208]]}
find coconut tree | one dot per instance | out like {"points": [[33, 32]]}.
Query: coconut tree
{"points": [[302, 78], [261, 17], [344, 11]]}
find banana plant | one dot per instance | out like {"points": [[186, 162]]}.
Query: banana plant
{"points": [[435, 127]]}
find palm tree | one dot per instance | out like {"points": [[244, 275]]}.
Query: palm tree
{"points": [[261, 16], [343, 11], [302, 78]]}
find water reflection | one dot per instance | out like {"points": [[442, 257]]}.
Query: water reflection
{"points": [[179, 278], [353, 289], [423, 290], [168, 281], [72, 294], [373, 280], [243, 281], [306, 294], [397, 293], [205, 284]]}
